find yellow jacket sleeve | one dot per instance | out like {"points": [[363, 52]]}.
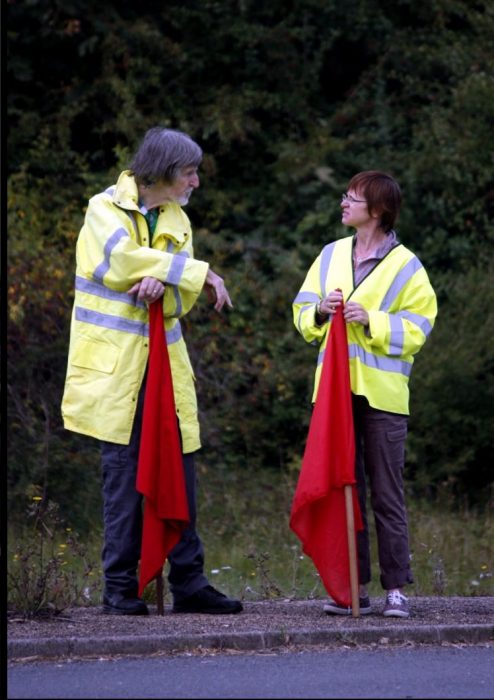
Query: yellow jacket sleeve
{"points": [[109, 251], [304, 306]]}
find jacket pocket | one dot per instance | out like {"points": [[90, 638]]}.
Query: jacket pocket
{"points": [[91, 354]]}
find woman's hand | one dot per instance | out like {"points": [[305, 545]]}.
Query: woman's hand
{"points": [[329, 304], [355, 313]]}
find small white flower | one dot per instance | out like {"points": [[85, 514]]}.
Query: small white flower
{"points": [[215, 571]]}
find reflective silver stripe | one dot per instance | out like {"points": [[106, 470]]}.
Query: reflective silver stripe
{"points": [[178, 299], [397, 330], [304, 308], [176, 269], [397, 338], [402, 277], [302, 297], [421, 321], [310, 297], [126, 325], [397, 335], [326, 255], [110, 244], [115, 323], [386, 364], [174, 334], [98, 289], [178, 302], [170, 246]]}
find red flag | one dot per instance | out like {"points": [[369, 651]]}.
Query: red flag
{"points": [[318, 515], [160, 472]]}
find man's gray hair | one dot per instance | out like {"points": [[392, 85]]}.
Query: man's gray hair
{"points": [[162, 153]]}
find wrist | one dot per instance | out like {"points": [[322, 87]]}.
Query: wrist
{"points": [[319, 313]]}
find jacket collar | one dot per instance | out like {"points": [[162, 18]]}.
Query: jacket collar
{"points": [[126, 196]]}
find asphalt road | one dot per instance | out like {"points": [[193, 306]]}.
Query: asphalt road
{"points": [[399, 672]]}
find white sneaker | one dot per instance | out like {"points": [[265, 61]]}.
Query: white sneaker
{"points": [[396, 605]]}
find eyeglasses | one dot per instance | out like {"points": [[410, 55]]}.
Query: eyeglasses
{"points": [[345, 197]]}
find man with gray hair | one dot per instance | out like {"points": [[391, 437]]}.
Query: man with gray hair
{"points": [[136, 247]]}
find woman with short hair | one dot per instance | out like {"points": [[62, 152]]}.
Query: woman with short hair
{"points": [[389, 307]]}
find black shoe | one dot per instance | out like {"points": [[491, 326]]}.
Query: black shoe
{"points": [[118, 605], [208, 600]]}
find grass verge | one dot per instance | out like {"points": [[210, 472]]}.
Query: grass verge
{"points": [[250, 551]]}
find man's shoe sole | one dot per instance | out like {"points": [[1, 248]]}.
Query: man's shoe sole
{"points": [[110, 610], [209, 611]]}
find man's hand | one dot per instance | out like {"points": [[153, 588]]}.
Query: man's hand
{"points": [[216, 291], [148, 289]]}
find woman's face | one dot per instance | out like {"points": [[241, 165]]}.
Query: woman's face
{"points": [[354, 209]]}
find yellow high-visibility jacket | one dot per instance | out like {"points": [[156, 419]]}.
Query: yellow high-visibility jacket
{"points": [[109, 335], [402, 308]]}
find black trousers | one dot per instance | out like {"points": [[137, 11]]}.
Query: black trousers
{"points": [[122, 519], [380, 456]]}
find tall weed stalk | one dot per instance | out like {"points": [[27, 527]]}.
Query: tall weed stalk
{"points": [[49, 569]]}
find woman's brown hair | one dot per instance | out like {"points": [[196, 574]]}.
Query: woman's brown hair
{"points": [[382, 194]]}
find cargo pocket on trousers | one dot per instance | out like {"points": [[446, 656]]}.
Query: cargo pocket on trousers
{"points": [[396, 438]]}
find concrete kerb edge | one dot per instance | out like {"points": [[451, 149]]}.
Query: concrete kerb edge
{"points": [[248, 641]]}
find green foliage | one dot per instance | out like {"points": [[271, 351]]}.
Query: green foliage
{"points": [[48, 569], [452, 425], [42, 239], [244, 361], [288, 100]]}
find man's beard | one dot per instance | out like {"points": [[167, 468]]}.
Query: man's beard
{"points": [[184, 199]]}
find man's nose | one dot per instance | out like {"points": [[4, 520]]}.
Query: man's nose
{"points": [[194, 180]]}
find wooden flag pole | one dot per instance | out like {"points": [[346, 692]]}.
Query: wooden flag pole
{"points": [[352, 553], [159, 593]]}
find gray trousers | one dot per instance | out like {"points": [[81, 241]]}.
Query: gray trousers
{"points": [[122, 518], [380, 456]]}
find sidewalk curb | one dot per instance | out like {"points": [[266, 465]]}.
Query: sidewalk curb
{"points": [[245, 641]]}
